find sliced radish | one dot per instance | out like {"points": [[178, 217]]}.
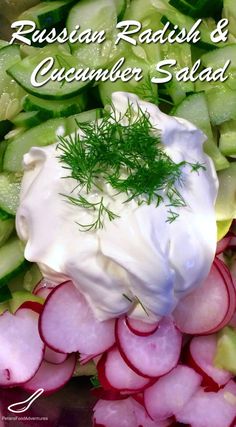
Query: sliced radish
{"points": [[231, 289], [44, 284], [203, 350], [125, 413], [21, 350], [210, 409], [51, 377], [141, 328], [171, 392], [224, 243], [44, 292], [52, 356], [114, 373], [67, 323], [204, 310], [33, 305], [153, 355]]}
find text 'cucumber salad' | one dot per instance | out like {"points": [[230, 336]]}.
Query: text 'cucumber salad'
{"points": [[118, 212]]}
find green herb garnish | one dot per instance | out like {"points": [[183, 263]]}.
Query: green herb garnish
{"points": [[95, 381], [129, 157]]}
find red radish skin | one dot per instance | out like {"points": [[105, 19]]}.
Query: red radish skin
{"points": [[66, 310], [44, 284], [44, 292], [225, 272], [210, 409], [223, 244], [141, 328], [51, 377], [204, 310], [19, 333], [33, 305], [150, 356], [171, 392], [203, 350], [54, 357], [115, 374]]}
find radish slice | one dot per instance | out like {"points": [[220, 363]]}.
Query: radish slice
{"points": [[171, 392], [43, 292], [51, 377], [114, 373], [225, 272], [141, 328], [204, 310], [67, 323], [21, 350], [224, 243], [210, 409], [44, 284], [33, 305], [125, 413], [203, 350], [54, 357], [153, 355]]}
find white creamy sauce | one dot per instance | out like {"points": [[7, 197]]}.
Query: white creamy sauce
{"points": [[139, 254]]}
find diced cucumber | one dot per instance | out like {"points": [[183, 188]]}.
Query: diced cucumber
{"points": [[51, 109], [5, 296], [19, 297], [182, 53], [3, 43], [9, 192], [228, 138], [223, 228], [3, 305], [3, 145], [12, 260], [194, 108], [199, 8], [10, 93], [226, 200], [218, 58], [47, 14], [229, 12], [221, 104], [27, 120], [225, 357], [41, 135], [32, 277], [6, 228], [121, 6], [22, 71], [86, 116]]}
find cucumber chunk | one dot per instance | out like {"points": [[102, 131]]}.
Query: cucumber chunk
{"points": [[32, 277], [3, 43], [27, 120], [194, 108], [9, 192], [199, 8], [218, 58], [229, 12], [221, 104], [10, 93], [19, 297], [51, 109], [12, 260], [225, 357], [47, 14], [6, 228], [226, 199], [86, 116], [41, 135], [22, 71], [227, 143]]}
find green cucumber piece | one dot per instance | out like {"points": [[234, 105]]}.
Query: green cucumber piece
{"points": [[194, 109], [229, 12], [199, 8], [226, 201], [47, 14], [41, 135], [86, 116], [5, 295], [3, 43], [51, 109], [6, 229], [221, 104], [121, 6], [27, 120], [19, 297], [218, 58], [5, 127], [3, 145], [32, 277], [10, 93], [12, 260], [225, 357], [9, 192], [22, 71], [227, 142]]}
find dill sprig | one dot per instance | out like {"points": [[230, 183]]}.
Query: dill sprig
{"points": [[129, 157]]}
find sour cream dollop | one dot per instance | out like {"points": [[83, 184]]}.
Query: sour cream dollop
{"points": [[138, 256]]}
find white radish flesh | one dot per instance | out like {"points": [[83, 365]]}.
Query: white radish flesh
{"points": [[52, 356], [153, 355], [171, 392], [52, 377], [67, 323], [21, 350]]}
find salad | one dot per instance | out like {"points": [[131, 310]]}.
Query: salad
{"points": [[117, 214]]}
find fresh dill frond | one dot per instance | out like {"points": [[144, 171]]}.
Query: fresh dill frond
{"points": [[128, 298], [130, 157], [95, 381], [172, 216]]}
